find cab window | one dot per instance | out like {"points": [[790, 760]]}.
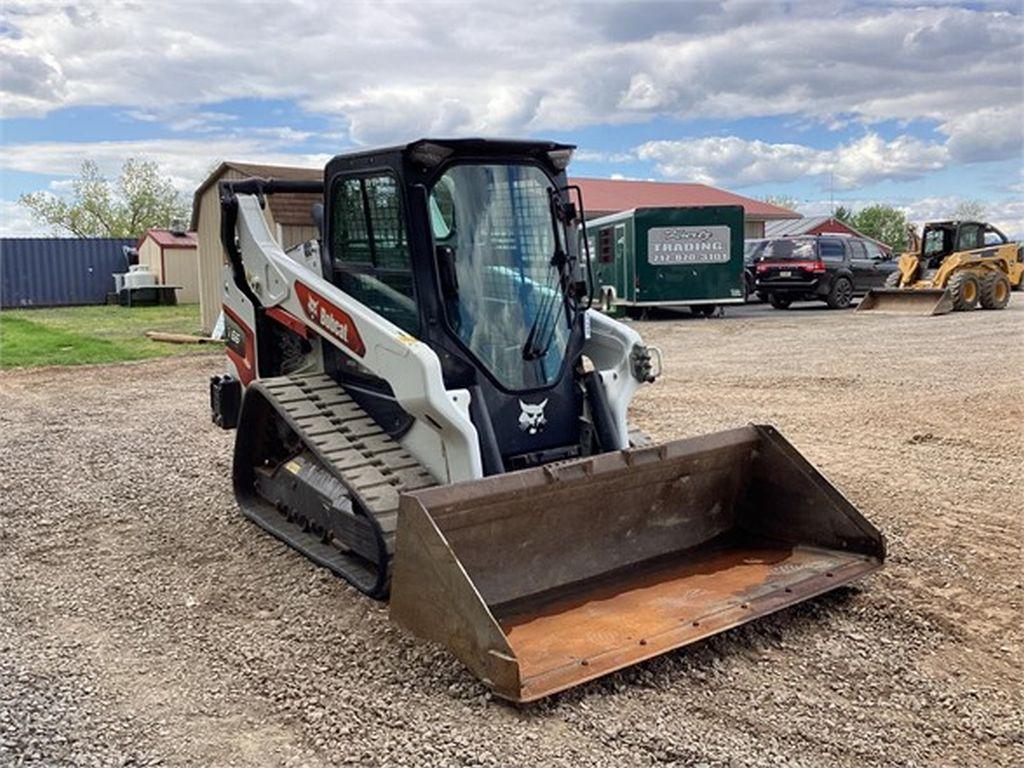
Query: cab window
{"points": [[370, 247], [969, 237], [993, 236]]}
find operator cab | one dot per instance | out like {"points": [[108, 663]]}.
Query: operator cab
{"points": [[942, 238], [470, 246]]}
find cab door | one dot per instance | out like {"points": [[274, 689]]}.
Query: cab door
{"points": [[969, 237]]}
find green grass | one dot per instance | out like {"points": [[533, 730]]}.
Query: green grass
{"points": [[100, 334]]}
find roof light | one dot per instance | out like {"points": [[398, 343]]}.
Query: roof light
{"points": [[560, 157], [429, 154]]}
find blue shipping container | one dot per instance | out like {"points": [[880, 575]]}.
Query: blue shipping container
{"points": [[58, 271]]}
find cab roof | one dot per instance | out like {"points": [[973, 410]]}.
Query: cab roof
{"points": [[472, 146]]}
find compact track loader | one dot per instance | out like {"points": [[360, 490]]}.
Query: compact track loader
{"points": [[956, 266], [426, 405]]}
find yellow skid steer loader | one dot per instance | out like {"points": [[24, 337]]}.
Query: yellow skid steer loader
{"points": [[426, 405], [958, 266]]}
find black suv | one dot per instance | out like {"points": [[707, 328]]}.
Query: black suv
{"points": [[827, 268]]}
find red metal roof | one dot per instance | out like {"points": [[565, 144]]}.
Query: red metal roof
{"points": [[167, 239], [603, 196]]}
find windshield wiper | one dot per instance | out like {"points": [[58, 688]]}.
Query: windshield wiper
{"points": [[545, 324], [542, 330]]}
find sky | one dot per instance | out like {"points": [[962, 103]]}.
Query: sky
{"points": [[920, 105]]}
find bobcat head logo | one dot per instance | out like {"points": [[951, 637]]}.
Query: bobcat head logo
{"points": [[531, 417]]}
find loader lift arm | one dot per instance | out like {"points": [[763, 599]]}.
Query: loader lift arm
{"points": [[271, 279]]}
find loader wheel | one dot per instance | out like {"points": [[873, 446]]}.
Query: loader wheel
{"points": [[779, 302], [995, 291], [841, 294], [963, 287], [893, 280]]}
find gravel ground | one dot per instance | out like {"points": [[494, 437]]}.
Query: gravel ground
{"points": [[143, 621]]}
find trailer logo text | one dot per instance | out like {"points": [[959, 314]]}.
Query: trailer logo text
{"points": [[688, 245]]}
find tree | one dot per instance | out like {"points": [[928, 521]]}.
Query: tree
{"points": [[969, 210], [842, 213], [782, 201], [140, 199], [883, 223]]}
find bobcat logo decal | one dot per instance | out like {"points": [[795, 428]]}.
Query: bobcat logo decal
{"points": [[531, 417]]}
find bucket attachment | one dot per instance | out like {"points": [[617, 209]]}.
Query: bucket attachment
{"points": [[907, 301], [542, 579]]}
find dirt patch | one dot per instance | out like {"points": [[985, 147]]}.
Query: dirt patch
{"points": [[143, 621]]}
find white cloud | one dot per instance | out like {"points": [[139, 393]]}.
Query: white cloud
{"points": [[992, 133], [185, 161], [15, 221], [389, 72], [732, 161], [601, 156], [397, 70], [1007, 214], [178, 120], [872, 159]]}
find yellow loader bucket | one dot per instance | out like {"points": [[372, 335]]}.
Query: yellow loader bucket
{"points": [[907, 301], [542, 579]]}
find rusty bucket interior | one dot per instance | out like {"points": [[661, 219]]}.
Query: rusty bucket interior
{"points": [[907, 301], [542, 579]]}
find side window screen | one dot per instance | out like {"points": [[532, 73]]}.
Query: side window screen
{"points": [[831, 250], [857, 249], [350, 234], [970, 237], [370, 249], [390, 248]]}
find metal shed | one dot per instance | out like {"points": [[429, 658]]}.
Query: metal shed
{"points": [[289, 216], [172, 257], [59, 271]]}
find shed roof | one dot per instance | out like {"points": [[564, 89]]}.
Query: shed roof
{"points": [[796, 226], [613, 195], [287, 208], [165, 238], [808, 224]]}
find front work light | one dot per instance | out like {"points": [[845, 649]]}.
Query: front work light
{"points": [[429, 154], [560, 157]]}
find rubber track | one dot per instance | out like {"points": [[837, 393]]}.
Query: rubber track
{"points": [[374, 468]]}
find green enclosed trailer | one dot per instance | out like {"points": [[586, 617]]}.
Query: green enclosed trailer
{"points": [[668, 257]]}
